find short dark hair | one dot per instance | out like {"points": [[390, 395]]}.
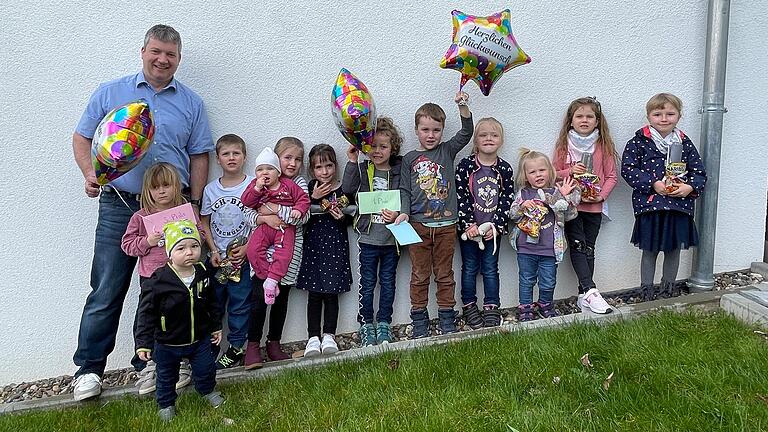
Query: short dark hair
{"points": [[322, 153]]}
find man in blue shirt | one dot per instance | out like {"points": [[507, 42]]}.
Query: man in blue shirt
{"points": [[182, 138]]}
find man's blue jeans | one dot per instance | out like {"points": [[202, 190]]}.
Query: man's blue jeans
{"points": [[168, 358], [384, 259], [111, 272], [533, 268], [473, 261], [237, 298]]}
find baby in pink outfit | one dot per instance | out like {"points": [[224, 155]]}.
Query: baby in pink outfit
{"points": [[270, 188]]}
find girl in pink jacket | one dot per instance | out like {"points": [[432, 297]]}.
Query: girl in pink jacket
{"points": [[585, 151]]}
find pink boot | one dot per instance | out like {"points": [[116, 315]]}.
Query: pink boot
{"points": [[274, 352], [270, 291], [253, 358]]}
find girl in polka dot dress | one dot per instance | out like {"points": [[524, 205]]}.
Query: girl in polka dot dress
{"points": [[325, 271], [663, 212]]}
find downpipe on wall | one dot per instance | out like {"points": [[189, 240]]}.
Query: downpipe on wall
{"points": [[712, 111]]}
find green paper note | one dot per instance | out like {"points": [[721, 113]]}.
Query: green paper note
{"points": [[374, 202]]}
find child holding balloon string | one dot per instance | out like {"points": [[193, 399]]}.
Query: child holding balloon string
{"points": [[428, 202], [161, 190], [585, 137], [379, 252]]}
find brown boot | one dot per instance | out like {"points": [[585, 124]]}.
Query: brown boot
{"points": [[274, 352], [253, 358]]}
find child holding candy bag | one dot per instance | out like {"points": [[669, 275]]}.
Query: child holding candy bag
{"points": [[663, 206], [584, 136], [539, 211]]}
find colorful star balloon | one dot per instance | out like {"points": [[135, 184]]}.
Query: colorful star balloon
{"points": [[353, 110], [483, 48], [121, 140]]}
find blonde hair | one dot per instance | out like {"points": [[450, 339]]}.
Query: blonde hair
{"points": [[160, 174], [285, 143], [659, 100], [605, 142], [527, 155], [494, 123]]}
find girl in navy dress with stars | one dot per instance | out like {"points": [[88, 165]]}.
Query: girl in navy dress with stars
{"points": [[663, 211], [325, 271]]}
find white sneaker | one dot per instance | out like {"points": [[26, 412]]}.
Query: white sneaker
{"points": [[87, 386], [313, 347], [593, 301], [329, 344], [185, 375]]}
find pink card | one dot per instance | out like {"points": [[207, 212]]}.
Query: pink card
{"points": [[155, 221]]}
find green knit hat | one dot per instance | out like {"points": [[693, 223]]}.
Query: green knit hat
{"points": [[177, 231]]}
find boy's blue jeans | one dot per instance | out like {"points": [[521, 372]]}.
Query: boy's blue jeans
{"points": [[383, 258], [111, 271], [474, 260], [533, 267], [237, 298], [167, 359]]}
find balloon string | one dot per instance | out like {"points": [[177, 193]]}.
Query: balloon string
{"points": [[121, 197]]}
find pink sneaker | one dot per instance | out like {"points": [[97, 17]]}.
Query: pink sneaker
{"points": [[270, 291]]}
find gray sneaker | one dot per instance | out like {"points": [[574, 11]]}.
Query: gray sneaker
{"points": [[147, 379], [185, 375], [215, 399], [167, 414]]}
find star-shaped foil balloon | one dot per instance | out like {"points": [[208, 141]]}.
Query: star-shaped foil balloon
{"points": [[483, 48]]}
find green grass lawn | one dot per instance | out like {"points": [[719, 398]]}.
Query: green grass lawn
{"points": [[672, 372]]}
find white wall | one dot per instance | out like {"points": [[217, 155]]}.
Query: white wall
{"points": [[268, 72]]}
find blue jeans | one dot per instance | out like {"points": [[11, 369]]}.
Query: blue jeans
{"points": [[111, 271], [474, 260], [237, 298], [533, 267], [167, 359], [383, 258]]}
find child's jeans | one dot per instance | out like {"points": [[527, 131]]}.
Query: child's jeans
{"points": [[315, 303], [237, 298], [533, 268], [474, 260], [384, 259], [433, 254], [167, 359]]}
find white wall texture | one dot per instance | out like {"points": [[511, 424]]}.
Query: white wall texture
{"points": [[267, 71]]}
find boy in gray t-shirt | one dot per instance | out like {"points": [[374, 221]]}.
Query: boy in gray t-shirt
{"points": [[428, 199]]}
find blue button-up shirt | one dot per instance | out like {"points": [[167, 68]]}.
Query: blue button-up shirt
{"points": [[181, 124]]}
